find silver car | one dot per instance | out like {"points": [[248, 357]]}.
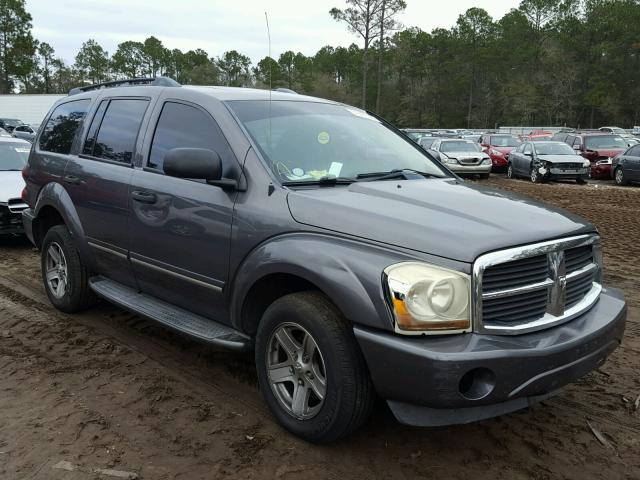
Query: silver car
{"points": [[13, 157], [24, 132], [463, 157]]}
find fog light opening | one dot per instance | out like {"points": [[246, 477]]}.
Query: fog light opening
{"points": [[476, 384]]}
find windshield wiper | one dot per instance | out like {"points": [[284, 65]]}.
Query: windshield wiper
{"points": [[328, 180], [393, 174]]}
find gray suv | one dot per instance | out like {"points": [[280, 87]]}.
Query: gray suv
{"points": [[351, 262]]}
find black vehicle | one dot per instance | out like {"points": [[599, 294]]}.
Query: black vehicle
{"points": [[626, 166], [544, 160], [321, 237]]}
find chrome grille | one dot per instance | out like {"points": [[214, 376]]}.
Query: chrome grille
{"points": [[528, 288]]}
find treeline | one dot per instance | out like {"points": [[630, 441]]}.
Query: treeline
{"points": [[551, 62]]}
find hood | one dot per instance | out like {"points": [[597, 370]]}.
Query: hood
{"points": [[11, 185], [607, 152], [562, 158], [470, 154], [442, 217], [504, 150]]}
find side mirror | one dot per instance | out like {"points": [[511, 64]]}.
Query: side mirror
{"points": [[197, 163]]}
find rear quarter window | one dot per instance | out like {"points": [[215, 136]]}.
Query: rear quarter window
{"points": [[61, 127]]}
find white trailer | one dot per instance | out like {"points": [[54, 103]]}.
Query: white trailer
{"points": [[31, 109]]}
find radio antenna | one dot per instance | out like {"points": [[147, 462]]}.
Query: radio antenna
{"points": [[266, 17]]}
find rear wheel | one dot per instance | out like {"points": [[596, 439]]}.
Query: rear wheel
{"points": [[620, 176], [310, 369], [66, 279]]}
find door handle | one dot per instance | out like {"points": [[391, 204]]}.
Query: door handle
{"points": [[72, 179], [144, 197]]}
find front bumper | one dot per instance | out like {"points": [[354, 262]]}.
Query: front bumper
{"points": [[602, 171], [501, 161], [560, 174], [468, 169], [423, 378], [10, 222]]}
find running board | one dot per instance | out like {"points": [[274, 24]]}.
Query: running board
{"points": [[169, 315]]}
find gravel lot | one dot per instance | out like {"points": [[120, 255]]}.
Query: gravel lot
{"points": [[107, 390]]}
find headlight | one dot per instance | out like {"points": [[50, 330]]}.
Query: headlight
{"points": [[427, 299], [497, 153], [586, 164], [486, 161]]}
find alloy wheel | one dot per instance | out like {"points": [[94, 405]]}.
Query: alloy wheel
{"points": [[56, 270], [296, 371], [619, 176], [534, 175]]}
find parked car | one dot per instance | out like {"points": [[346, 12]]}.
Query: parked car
{"points": [[626, 166], [4, 133], [342, 253], [543, 161], [631, 140], [537, 136], [636, 131], [13, 157], [9, 124], [416, 133], [498, 147], [426, 142], [599, 149], [25, 132], [463, 157]]}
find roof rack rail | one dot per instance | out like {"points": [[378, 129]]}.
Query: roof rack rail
{"points": [[152, 81], [284, 90]]}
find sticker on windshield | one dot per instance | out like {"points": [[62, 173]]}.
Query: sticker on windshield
{"points": [[324, 138], [335, 169]]}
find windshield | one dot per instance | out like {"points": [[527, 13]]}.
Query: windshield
{"points": [[306, 141], [459, 147], [604, 141], [504, 141], [554, 149], [13, 156]]}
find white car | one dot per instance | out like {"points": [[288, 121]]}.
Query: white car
{"points": [[463, 157], [4, 133], [629, 138], [13, 157]]}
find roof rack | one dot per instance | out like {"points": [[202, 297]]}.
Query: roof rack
{"points": [[152, 81]]}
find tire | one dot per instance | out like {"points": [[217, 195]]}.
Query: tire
{"points": [[581, 181], [70, 292], [348, 392], [510, 172], [534, 175], [620, 177]]}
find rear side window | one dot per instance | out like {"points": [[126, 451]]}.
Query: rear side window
{"points": [[184, 126], [118, 131], [57, 135], [93, 129]]}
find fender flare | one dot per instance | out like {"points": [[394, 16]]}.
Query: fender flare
{"points": [[54, 195], [348, 272]]}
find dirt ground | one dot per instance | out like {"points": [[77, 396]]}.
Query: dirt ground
{"points": [[107, 390]]}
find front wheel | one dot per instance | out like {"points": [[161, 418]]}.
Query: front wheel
{"points": [[310, 369], [581, 181], [535, 175], [510, 173], [66, 279], [620, 177]]}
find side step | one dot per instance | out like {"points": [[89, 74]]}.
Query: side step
{"points": [[169, 315]]}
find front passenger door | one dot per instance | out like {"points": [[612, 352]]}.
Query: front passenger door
{"points": [[180, 228], [632, 163]]}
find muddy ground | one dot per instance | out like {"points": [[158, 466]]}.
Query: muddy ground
{"points": [[107, 390]]}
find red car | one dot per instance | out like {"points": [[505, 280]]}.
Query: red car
{"points": [[498, 147], [599, 149], [537, 135]]}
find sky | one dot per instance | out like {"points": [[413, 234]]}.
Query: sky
{"points": [[220, 25]]}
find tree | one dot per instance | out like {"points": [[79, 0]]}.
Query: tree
{"points": [[235, 68], [46, 53], [360, 18], [155, 56], [386, 21], [128, 60], [15, 41], [92, 62]]}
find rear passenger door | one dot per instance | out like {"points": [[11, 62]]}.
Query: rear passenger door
{"points": [[632, 163], [180, 229], [98, 182]]}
